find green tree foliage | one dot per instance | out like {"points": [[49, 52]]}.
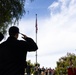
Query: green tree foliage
{"points": [[10, 12], [63, 63]]}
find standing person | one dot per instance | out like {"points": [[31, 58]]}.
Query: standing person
{"points": [[71, 68], [28, 69], [13, 53]]}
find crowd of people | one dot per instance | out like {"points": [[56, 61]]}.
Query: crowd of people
{"points": [[40, 71], [45, 71]]}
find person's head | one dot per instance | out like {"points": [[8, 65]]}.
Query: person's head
{"points": [[1, 36], [14, 31]]}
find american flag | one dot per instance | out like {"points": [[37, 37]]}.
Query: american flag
{"points": [[36, 24]]}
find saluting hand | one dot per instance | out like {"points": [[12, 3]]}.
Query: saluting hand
{"points": [[23, 36]]}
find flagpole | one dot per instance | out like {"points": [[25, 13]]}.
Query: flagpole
{"points": [[36, 37], [36, 50]]}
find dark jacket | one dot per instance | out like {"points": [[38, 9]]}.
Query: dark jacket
{"points": [[13, 55]]}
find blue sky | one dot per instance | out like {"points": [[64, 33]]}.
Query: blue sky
{"points": [[56, 29], [39, 7]]}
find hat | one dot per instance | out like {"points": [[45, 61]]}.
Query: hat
{"points": [[13, 30]]}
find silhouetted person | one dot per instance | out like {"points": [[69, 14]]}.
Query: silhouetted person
{"points": [[1, 36], [28, 69], [13, 53]]}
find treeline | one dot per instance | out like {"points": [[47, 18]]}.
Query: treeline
{"points": [[62, 64]]}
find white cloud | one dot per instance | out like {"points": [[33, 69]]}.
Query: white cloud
{"points": [[56, 35]]}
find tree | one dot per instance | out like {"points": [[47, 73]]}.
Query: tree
{"points": [[10, 12], [63, 63]]}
